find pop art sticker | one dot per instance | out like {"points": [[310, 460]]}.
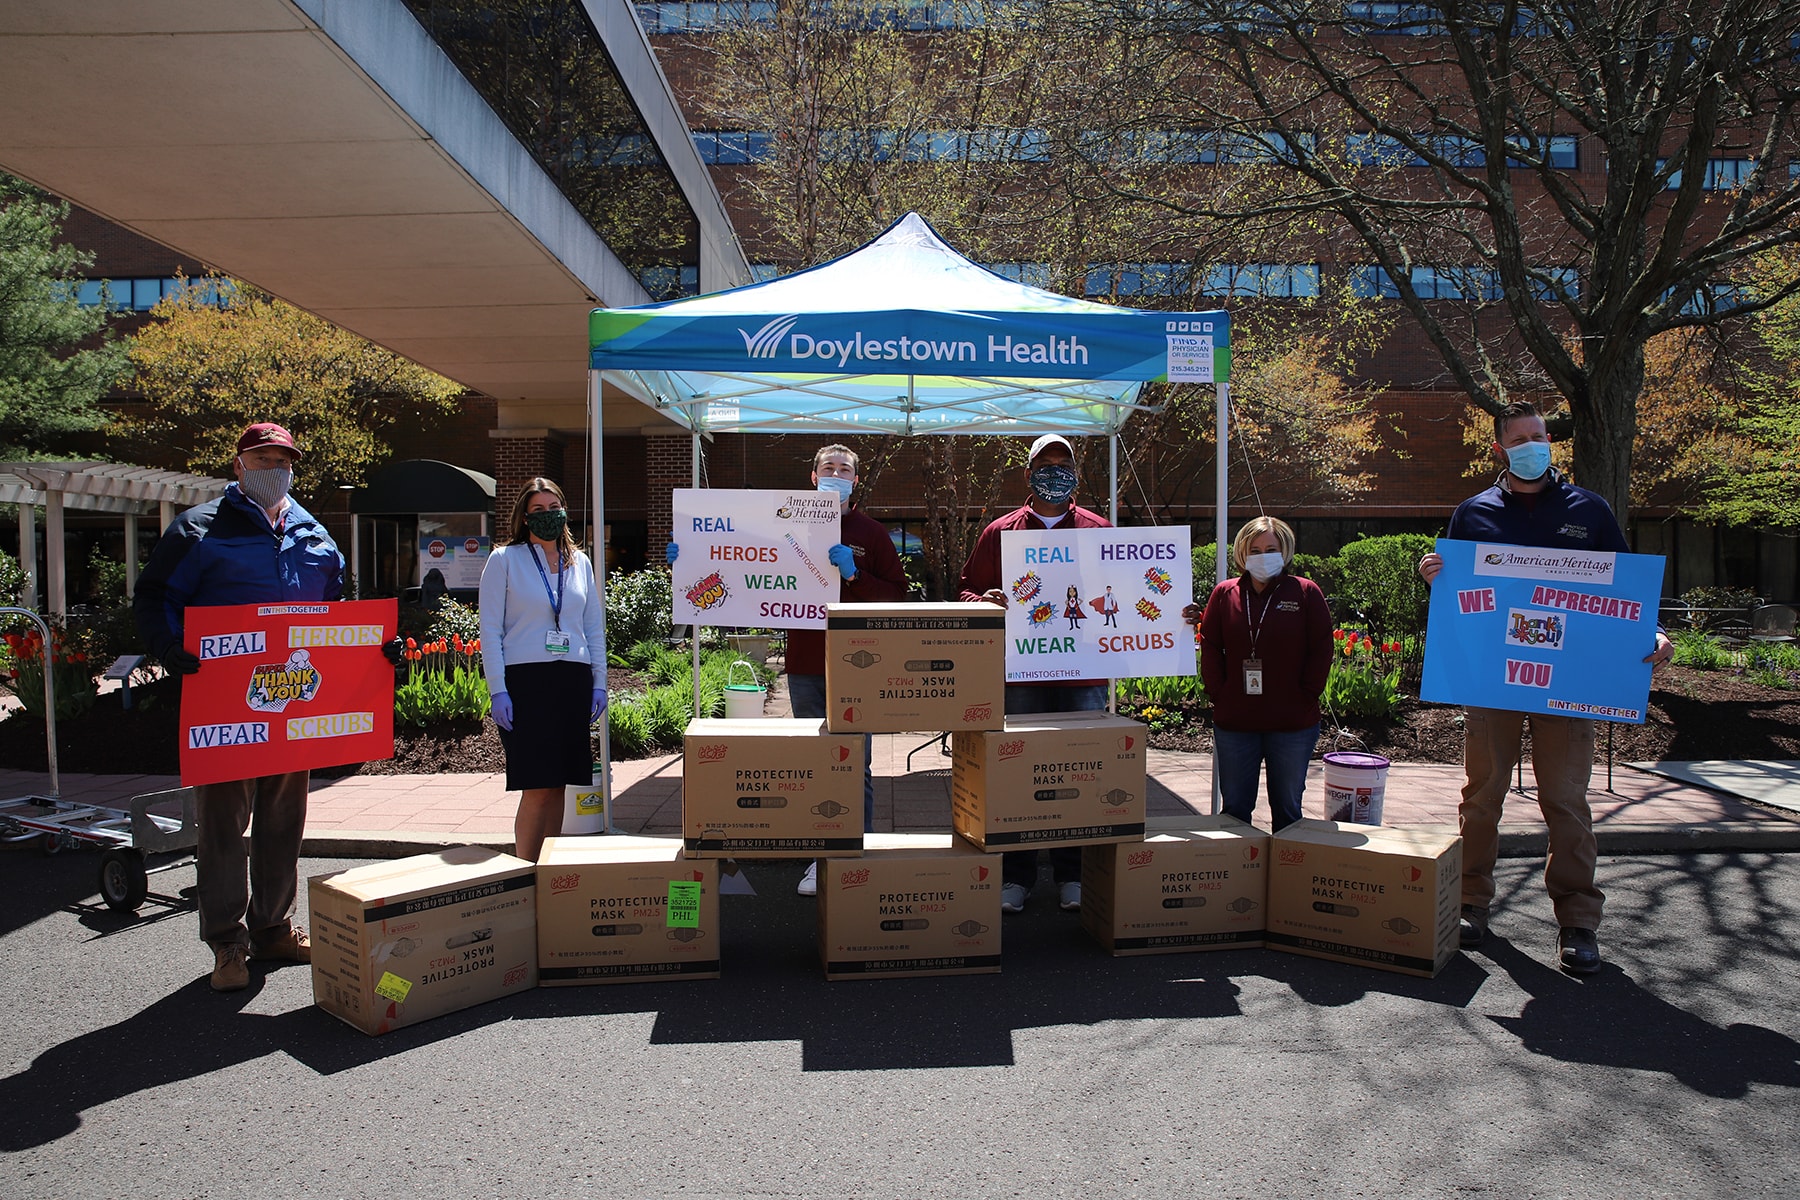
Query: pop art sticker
{"points": [[709, 592], [1026, 587], [273, 686], [1534, 629]]}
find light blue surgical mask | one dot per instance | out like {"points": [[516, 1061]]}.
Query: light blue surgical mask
{"points": [[842, 487], [1529, 461]]}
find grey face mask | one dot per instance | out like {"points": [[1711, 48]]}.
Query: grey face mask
{"points": [[268, 486]]}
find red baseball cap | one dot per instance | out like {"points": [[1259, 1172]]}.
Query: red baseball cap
{"points": [[267, 433]]}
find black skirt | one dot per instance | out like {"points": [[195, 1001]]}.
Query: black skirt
{"points": [[548, 745]]}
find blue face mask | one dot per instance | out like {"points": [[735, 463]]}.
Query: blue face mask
{"points": [[842, 487], [1053, 485], [1529, 461]]}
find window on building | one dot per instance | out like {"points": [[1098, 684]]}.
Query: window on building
{"points": [[1722, 174]]}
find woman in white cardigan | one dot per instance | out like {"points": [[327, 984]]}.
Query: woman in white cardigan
{"points": [[543, 649]]}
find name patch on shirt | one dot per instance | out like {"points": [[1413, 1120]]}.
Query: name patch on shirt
{"points": [[1575, 533], [1287, 606]]}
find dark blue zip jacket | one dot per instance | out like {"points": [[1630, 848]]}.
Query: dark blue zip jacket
{"points": [[1565, 517], [225, 552]]}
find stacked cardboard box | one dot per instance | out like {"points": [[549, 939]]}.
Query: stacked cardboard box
{"points": [[1062, 779], [1194, 883], [913, 904], [771, 789], [1366, 894], [896, 668], [617, 910], [395, 943]]}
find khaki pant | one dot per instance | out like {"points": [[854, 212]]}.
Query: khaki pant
{"points": [[1562, 759], [258, 913]]}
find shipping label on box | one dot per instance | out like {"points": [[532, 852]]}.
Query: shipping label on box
{"points": [[1197, 884], [1382, 897], [771, 789], [897, 668], [1065, 779], [395, 943], [624, 910], [913, 904]]}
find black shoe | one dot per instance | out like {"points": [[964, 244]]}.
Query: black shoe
{"points": [[1472, 929], [1580, 950]]}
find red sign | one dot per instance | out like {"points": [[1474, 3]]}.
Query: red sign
{"points": [[286, 687]]}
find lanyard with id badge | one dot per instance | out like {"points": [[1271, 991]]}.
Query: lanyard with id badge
{"points": [[555, 640], [1253, 668]]}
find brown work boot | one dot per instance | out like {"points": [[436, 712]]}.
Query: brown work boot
{"points": [[291, 946], [230, 974]]}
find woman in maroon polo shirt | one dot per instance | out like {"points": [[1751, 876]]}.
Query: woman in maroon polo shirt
{"points": [[1265, 652]]}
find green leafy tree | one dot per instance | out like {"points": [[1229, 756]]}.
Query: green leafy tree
{"points": [[1763, 488], [216, 358], [57, 357]]}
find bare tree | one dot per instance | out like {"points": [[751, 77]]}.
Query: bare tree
{"points": [[1544, 187]]}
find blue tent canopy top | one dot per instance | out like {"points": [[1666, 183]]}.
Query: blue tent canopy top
{"points": [[903, 336]]}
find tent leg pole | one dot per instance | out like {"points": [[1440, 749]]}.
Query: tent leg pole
{"points": [[695, 627], [1222, 493], [597, 506]]}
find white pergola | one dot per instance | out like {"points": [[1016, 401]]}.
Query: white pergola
{"points": [[131, 492]]}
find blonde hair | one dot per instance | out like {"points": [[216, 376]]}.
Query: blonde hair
{"points": [[1255, 526]]}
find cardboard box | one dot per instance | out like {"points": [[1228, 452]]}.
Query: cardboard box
{"points": [[897, 668], [913, 904], [1382, 897], [396, 943], [1194, 883], [771, 789], [604, 915], [1063, 779]]}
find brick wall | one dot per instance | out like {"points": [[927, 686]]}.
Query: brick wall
{"points": [[520, 456]]}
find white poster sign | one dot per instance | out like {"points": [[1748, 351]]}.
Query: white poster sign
{"points": [[754, 558], [1097, 603]]}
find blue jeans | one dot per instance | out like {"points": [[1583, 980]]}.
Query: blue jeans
{"points": [[1027, 700], [1240, 758], [806, 693]]}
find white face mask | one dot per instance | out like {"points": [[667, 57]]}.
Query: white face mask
{"points": [[1264, 567]]}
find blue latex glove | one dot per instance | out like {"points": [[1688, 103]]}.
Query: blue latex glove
{"points": [[844, 559], [673, 552], [502, 711], [599, 704]]}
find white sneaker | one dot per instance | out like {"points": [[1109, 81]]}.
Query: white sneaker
{"points": [[809, 882], [1012, 898], [1071, 897]]}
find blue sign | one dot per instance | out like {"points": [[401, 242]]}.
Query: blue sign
{"points": [[1538, 630]]}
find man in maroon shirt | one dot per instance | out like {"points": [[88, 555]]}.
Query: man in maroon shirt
{"points": [[1051, 475]]}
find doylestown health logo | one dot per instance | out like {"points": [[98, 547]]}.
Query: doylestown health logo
{"points": [[767, 340]]}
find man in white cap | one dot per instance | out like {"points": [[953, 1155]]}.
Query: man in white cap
{"points": [[253, 545], [1052, 476]]}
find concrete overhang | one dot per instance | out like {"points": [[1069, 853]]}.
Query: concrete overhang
{"points": [[329, 152]]}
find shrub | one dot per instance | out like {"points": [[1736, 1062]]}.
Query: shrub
{"points": [[1381, 582], [627, 727], [1325, 570], [1700, 650], [12, 581], [1774, 665], [638, 607], [1735, 601], [454, 620]]}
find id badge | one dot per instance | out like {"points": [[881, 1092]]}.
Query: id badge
{"points": [[1253, 677], [556, 641]]}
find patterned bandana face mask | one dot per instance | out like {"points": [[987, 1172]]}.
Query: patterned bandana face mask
{"points": [[548, 525], [1053, 485], [268, 486]]}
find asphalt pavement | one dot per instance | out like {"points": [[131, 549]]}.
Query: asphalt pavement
{"points": [[1674, 1072]]}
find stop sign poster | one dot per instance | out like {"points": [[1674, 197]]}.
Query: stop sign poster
{"points": [[286, 687], [1536, 630], [754, 558], [1097, 603]]}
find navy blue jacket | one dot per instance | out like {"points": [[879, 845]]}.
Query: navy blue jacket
{"points": [[225, 552], [1564, 517]]}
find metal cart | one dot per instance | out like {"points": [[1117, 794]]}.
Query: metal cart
{"points": [[126, 837]]}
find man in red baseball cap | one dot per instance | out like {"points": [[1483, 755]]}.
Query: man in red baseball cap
{"points": [[253, 545]]}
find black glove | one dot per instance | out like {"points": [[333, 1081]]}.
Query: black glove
{"points": [[394, 649], [179, 660]]}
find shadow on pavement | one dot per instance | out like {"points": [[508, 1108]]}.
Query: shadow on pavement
{"points": [[1609, 1020]]}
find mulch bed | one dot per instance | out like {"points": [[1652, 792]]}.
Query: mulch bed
{"points": [[1693, 715]]}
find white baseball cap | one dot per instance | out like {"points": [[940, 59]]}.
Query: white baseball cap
{"points": [[1045, 442]]}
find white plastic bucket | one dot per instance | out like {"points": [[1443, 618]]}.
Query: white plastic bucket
{"points": [[584, 808], [1355, 784], [743, 701]]}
